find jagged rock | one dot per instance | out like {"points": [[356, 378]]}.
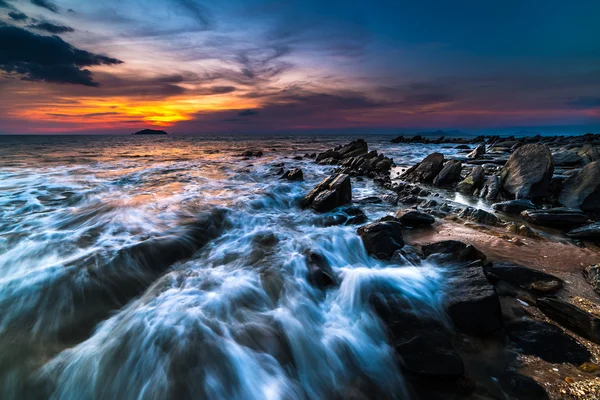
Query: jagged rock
{"points": [[528, 171], [414, 219], [589, 153], [479, 216], [473, 181], [491, 188], [472, 303], [426, 170], [591, 231], [521, 387], [513, 206], [556, 217], [478, 152], [582, 190], [354, 148], [355, 216], [449, 175], [591, 273], [453, 250], [546, 341], [566, 158], [295, 174], [382, 238], [571, 317], [537, 282], [320, 273], [331, 192]]}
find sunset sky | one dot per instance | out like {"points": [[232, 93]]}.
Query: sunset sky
{"points": [[194, 66]]}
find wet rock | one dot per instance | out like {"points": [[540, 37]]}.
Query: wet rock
{"points": [[320, 273], [453, 250], [479, 216], [426, 170], [591, 273], [472, 303], [330, 193], [513, 206], [478, 152], [473, 181], [369, 200], [354, 215], [571, 317], [449, 175], [546, 341], [462, 147], [566, 158], [556, 217], [491, 188], [414, 219], [382, 238], [354, 148], [589, 153], [528, 171], [295, 174], [521, 387], [537, 282], [582, 190], [591, 231], [252, 153], [272, 282]]}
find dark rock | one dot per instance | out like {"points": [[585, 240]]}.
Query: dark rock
{"points": [[521, 387], [331, 192], [369, 200], [328, 154], [472, 303], [591, 231], [566, 158], [462, 147], [354, 148], [426, 170], [556, 217], [591, 273], [479, 216], [414, 219], [150, 132], [252, 153], [571, 317], [537, 282], [454, 251], [320, 273], [514, 206], [478, 152], [528, 171], [295, 174], [473, 181], [589, 153], [546, 341], [449, 175], [491, 188], [582, 190], [382, 238], [355, 215]]}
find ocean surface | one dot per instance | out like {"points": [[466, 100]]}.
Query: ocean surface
{"points": [[170, 267]]}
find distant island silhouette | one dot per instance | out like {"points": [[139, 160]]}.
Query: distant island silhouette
{"points": [[150, 132]]}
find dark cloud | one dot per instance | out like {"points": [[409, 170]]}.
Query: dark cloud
{"points": [[46, 58], [5, 4], [90, 115], [248, 113], [220, 89], [584, 102], [46, 4], [51, 28], [17, 16]]}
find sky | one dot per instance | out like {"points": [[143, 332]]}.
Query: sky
{"points": [[228, 66]]}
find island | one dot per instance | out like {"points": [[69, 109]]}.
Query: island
{"points": [[151, 132]]}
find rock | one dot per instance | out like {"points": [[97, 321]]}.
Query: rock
{"points": [[414, 219], [513, 206], [472, 303], [295, 174], [537, 282], [355, 216], [453, 250], [546, 341], [462, 147], [571, 317], [582, 190], [478, 152], [382, 238], [591, 273], [589, 153], [491, 188], [479, 216], [449, 175], [473, 181], [426, 170], [521, 387], [591, 231], [354, 148], [320, 273], [252, 153], [566, 158], [331, 192], [556, 217], [528, 172], [522, 230], [328, 155]]}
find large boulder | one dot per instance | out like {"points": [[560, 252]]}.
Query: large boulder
{"points": [[513, 206], [528, 172], [582, 190], [331, 192], [414, 219], [571, 317], [382, 238], [562, 218], [473, 181], [472, 303], [426, 170], [535, 281], [449, 175], [591, 231]]}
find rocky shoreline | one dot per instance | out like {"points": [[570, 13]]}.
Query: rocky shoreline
{"points": [[517, 331]]}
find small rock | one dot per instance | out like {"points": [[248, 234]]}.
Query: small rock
{"points": [[563, 218], [414, 219], [320, 273], [330, 193], [591, 273], [382, 238], [473, 181], [479, 216], [453, 250], [478, 152], [513, 206], [295, 174]]}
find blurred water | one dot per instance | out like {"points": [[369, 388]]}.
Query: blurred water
{"points": [[91, 306]]}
